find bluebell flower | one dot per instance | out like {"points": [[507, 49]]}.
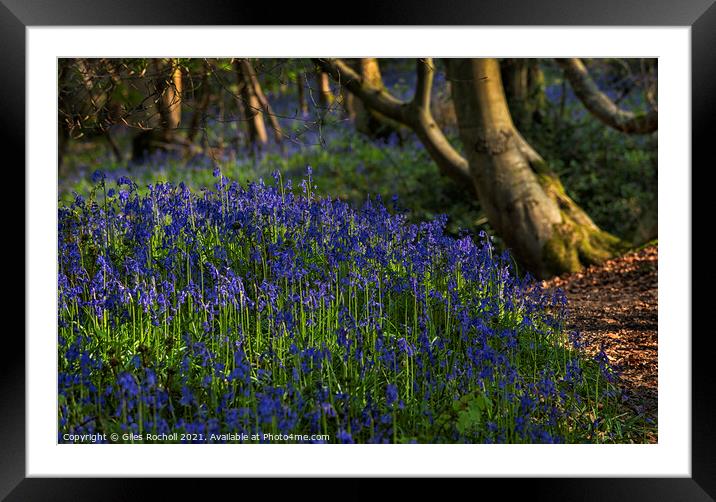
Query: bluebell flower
{"points": [[98, 176], [282, 311], [187, 397], [391, 393], [344, 437], [128, 384]]}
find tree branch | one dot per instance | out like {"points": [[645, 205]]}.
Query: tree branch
{"points": [[601, 106], [378, 99], [415, 115], [424, 85]]}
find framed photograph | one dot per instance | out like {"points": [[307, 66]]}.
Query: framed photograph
{"points": [[428, 240]]}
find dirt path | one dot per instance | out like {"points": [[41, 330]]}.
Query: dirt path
{"points": [[616, 304]]}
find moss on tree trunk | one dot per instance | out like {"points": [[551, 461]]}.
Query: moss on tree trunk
{"points": [[577, 241], [524, 200]]}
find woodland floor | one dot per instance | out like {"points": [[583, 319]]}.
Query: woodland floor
{"points": [[615, 304]]}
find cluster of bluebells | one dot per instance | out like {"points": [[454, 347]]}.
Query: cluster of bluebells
{"points": [[266, 309]]}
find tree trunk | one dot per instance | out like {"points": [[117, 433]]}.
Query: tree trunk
{"points": [[523, 81], [300, 87], [114, 146], [515, 78], [64, 113], [524, 201], [368, 121], [167, 84], [253, 81], [325, 96], [251, 107], [201, 106], [169, 87], [537, 96]]}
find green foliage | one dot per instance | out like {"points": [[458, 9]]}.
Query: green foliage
{"points": [[349, 167], [610, 174], [472, 412]]}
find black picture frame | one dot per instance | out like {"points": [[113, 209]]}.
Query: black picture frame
{"points": [[700, 15]]}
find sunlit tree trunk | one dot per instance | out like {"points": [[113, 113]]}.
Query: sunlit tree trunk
{"points": [[325, 95], [253, 82], [251, 106], [524, 200], [174, 97], [368, 121], [169, 87]]}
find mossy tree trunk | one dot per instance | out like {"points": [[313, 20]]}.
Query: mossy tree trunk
{"points": [[524, 200]]}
